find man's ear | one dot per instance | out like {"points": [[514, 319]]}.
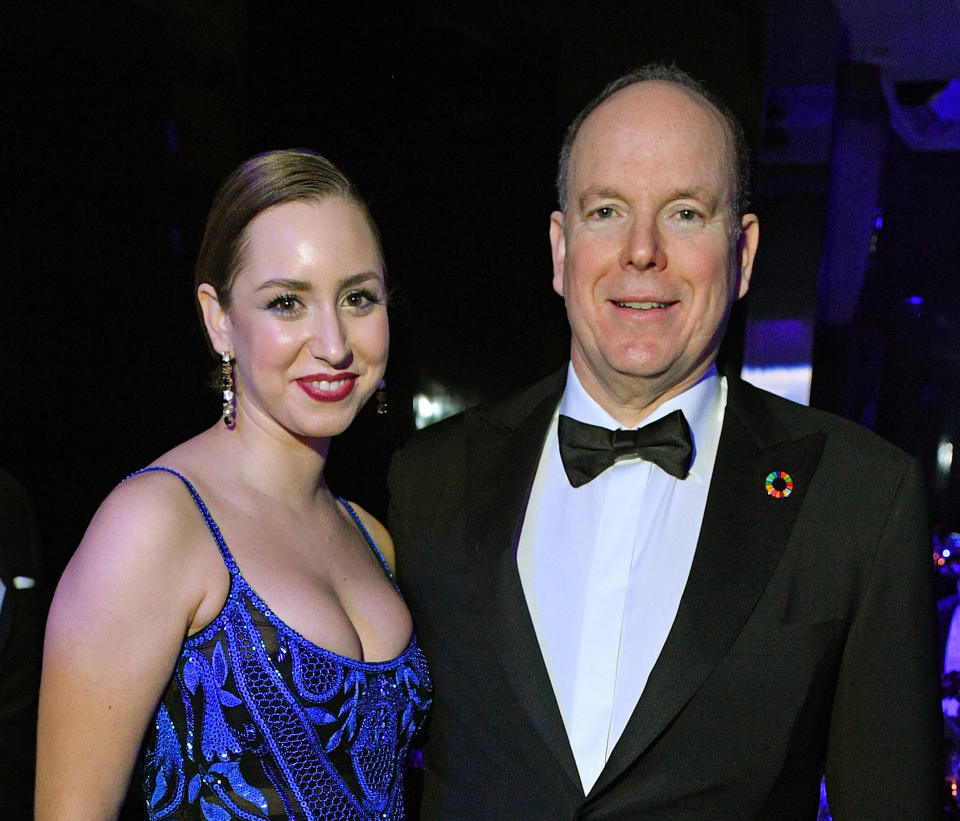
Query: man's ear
{"points": [[558, 247], [215, 318], [746, 251]]}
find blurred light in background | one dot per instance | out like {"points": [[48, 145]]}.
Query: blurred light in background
{"points": [[777, 357], [433, 406], [944, 459], [789, 381]]}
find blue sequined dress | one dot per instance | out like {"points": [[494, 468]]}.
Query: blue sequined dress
{"points": [[259, 723]]}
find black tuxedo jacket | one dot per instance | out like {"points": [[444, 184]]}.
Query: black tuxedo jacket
{"points": [[805, 638]]}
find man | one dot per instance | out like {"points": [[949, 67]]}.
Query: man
{"points": [[699, 628]]}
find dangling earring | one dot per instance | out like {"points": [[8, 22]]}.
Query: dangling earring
{"points": [[381, 397], [226, 385]]}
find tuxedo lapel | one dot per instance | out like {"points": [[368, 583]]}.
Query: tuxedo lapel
{"points": [[503, 451], [741, 540]]}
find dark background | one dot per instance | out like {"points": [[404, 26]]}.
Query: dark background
{"points": [[130, 114], [120, 120]]}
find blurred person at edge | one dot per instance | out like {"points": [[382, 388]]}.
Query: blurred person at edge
{"points": [[21, 640], [696, 597], [225, 612]]}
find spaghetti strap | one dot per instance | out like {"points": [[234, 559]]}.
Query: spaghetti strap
{"points": [[207, 518], [221, 543], [369, 540]]}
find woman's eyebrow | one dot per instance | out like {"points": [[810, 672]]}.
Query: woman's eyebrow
{"points": [[288, 284]]}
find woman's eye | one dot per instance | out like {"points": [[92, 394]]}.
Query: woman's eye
{"points": [[362, 299], [284, 304]]}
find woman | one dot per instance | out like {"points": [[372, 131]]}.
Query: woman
{"points": [[297, 700]]}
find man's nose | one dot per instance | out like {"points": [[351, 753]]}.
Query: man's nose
{"points": [[643, 245]]}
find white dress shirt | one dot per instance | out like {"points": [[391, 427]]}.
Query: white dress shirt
{"points": [[603, 567]]}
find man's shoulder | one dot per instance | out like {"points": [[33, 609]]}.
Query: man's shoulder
{"points": [[502, 413], [796, 421], [433, 461]]}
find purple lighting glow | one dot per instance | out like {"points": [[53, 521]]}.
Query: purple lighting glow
{"points": [[172, 138], [914, 300]]}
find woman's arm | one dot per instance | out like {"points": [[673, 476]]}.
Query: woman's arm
{"points": [[118, 619]]}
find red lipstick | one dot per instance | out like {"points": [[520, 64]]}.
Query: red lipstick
{"points": [[328, 387]]}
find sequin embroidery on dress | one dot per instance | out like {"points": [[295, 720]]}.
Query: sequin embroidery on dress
{"points": [[259, 723]]}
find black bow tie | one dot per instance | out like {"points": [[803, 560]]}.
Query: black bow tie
{"points": [[587, 450]]}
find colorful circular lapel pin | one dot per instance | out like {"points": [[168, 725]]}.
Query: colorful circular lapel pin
{"points": [[779, 484]]}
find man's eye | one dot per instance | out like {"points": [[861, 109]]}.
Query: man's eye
{"points": [[603, 212], [687, 214]]}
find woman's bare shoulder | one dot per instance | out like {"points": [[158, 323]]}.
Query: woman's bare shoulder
{"points": [[153, 506], [142, 541]]}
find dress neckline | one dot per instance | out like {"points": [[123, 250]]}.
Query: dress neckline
{"points": [[239, 583]]}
